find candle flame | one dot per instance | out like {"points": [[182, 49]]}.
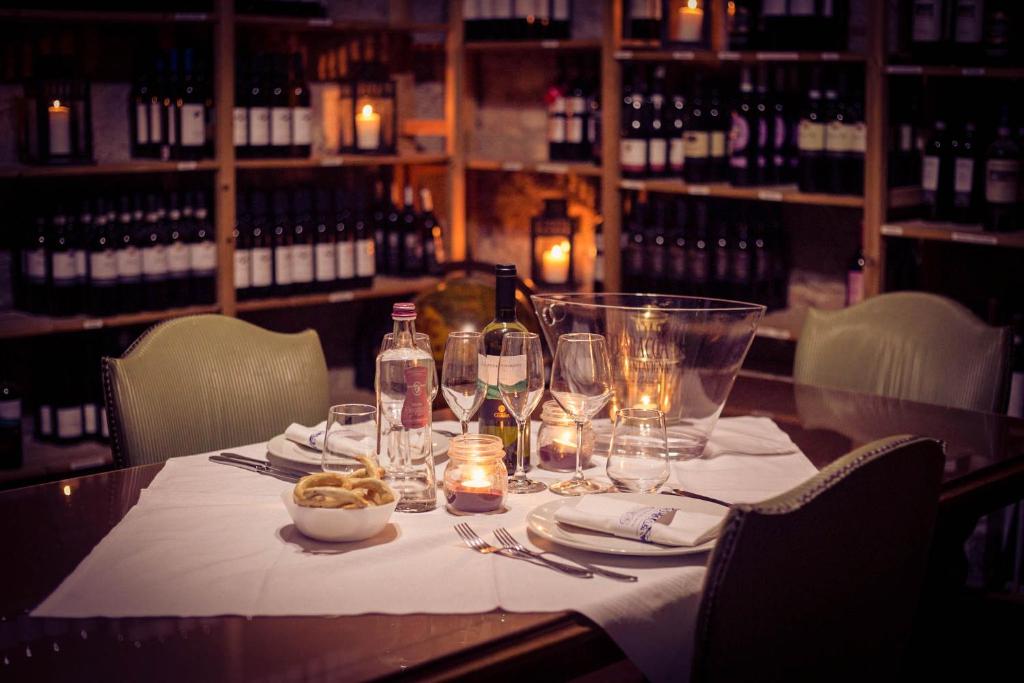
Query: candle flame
{"points": [[645, 400], [56, 103], [566, 246], [367, 109], [692, 4], [67, 489], [556, 251]]}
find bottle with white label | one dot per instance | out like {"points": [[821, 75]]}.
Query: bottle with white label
{"points": [[811, 141], [928, 28], [430, 228], [1003, 180], [102, 285], [282, 241], [576, 147], [657, 130], [966, 173], [129, 260], [937, 174], [191, 110], [697, 139], [837, 140], [138, 116], [202, 253], [743, 135], [35, 268], [155, 268], [344, 240], [302, 112], [676, 132], [179, 266], [280, 109], [257, 105], [302, 242], [557, 117], [243, 249], [66, 291], [968, 25], [240, 113], [365, 246], [633, 137], [261, 244], [412, 237], [169, 92], [10, 423], [156, 128], [718, 126], [325, 253]]}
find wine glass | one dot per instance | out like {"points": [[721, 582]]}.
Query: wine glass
{"points": [[638, 454], [581, 382], [460, 375], [351, 431], [521, 384]]}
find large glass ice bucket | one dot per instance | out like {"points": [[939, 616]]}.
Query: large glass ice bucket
{"points": [[677, 353]]}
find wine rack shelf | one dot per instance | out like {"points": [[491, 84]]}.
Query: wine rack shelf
{"points": [[122, 168], [783, 193], [955, 71], [954, 232], [328, 24], [99, 17], [15, 324], [743, 57], [528, 45], [343, 160], [545, 167], [383, 287]]}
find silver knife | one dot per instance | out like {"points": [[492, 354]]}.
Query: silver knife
{"points": [[267, 470], [264, 463]]}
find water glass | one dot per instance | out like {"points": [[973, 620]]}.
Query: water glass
{"points": [[461, 385], [638, 454], [351, 431]]}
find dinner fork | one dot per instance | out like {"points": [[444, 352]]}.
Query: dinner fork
{"points": [[471, 539], [509, 541]]}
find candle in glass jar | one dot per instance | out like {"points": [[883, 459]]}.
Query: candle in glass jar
{"points": [[689, 24], [367, 128], [554, 267], [59, 119], [474, 496]]}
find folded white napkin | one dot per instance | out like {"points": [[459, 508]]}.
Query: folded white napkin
{"points": [[665, 526], [313, 437]]}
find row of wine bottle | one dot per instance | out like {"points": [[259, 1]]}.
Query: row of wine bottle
{"points": [[959, 31], [508, 20], [140, 252], [170, 108], [762, 136], [329, 238], [272, 115], [682, 245], [574, 114]]}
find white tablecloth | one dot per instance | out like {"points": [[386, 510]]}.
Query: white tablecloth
{"points": [[206, 539]]}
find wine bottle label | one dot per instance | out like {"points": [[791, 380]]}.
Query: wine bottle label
{"points": [[646, 9], [657, 148], [801, 8], [560, 10], [193, 125], [721, 265], [854, 287], [739, 138], [470, 10], [10, 411], [511, 372], [142, 123], [81, 264], [302, 126], [302, 263], [69, 423], [35, 265], [501, 9], [556, 128], [963, 176], [280, 126], [930, 173], [325, 256], [243, 268], [202, 257], [45, 420], [717, 146], [172, 127], [906, 138], [154, 263], [366, 264], [837, 137], [656, 260], [488, 374], [239, 119], [129, 263], [1002, 181], [262, 267], [574, 129], [413, 249], [282, 266], [259, 126], [634, 155], [810, 136], [155, 129], [90, 418], [773, 8], [178, 259], [927, 22], [103, 267], [698, 265], [345, 263], [677, 264], [859, 138], [65, 270], [676, 157], [696, 144], [741, 266], [968, 22], [416, 406]]}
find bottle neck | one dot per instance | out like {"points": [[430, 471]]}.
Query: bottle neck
{"points": [[505, 300], [403, 333]]}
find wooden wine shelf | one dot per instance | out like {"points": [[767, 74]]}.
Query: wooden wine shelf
{"points": [[48, 461], [527, 45], [741, 56], [15, 324], [343, 160], [328, 24], [955, 71], [96, 17], [904, 197], [383, 287], [783, 193], [547, 167], [125, 168], [954, 232]]}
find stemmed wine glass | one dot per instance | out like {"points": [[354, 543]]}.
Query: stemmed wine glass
{"points": [[521, 384], [463, 389], [581, 382]]}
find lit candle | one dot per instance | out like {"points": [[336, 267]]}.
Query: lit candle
{"points": [[689, 24], [367, 129], [60, 128], [555, 265]]}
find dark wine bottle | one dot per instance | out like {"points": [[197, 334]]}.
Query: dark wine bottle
{"points": [[393, 239], [191, 111], [10, 423], [697, 143], [303, 275], [302, 112], [63, 268], [937, 174], [430, 229], [155, 266], [240, 114], [280, 109], [966, 173], [698, 252], [655, 249], [657, 130], [241, 236], [412, 236], [675, 261], [129, 261], [282, 236], [365, 244], [378, 225], [719, 124], [138, 116], [837, 141], [855, 279], [743, 135], [262, 247], [202, 254], [258, 111], [35, 268], [634, 250], [1002, 180], [811, 141], [599, 256], [325, 253], [633, 139], [345, 242], [677, 132], [722, 275], [103, 285], [643, 20]]}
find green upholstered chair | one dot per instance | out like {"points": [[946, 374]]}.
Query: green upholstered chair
{"points": [[204, 382], [822, 582], [909, 345]]}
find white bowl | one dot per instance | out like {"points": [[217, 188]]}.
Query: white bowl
{"points": [[336, 524]]}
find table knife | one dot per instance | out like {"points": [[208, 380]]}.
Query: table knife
{"points": [[267, 470], [264, 463]]}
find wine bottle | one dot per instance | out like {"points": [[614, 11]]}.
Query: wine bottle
{"points": [[202, 255], [258, 112], [241, 236], [677, 132], [555, 97], [718, 124], [393, 239], [378, 225], [138, 116], [936, 174], [657, 133], [10, 424], [779, 130], [129, 261], [965, 177], [169, 93], [262, 248], [1002, 180], [280, 109], [494, 417], [155, 267], [697, 142], [302, 243], [762, 129], [599, 256], [302, 112], [722, 275], [430, 229], [156, 127], [240, 113], [365, 244], [191, 111], [644, 21], [855, 279], [698, 252], [655, 248], [968, 24], [743, 135], [63, 267], [282, 240], [675, 261], [740, 259], [344, 242], [811, 141], [634, 249], [412, 236], [741, 21], [325, 253], [35, 268], [633, 140], [928, 29], [103, 285], [837, 141], [858, 134], [575, 119]]}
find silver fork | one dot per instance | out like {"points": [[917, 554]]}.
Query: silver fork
{"points": [[509, 541], [471, 539]]}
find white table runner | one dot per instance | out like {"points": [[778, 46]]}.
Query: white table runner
{"points": [[206, 539]]}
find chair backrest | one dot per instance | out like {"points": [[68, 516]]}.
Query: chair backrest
{"points": [[204, 382], [822, 582], [909, 345]]}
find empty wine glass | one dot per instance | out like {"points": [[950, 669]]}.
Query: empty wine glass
{"points": [[460, 375], [351, 430], [638, 454], [581, 382], [521, 383]]}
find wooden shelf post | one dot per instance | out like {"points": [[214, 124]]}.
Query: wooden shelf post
{"points": [[455, 143], [224, 151], [611, 92], [876, 192]]}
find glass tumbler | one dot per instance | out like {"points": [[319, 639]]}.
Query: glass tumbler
{"points": [[638, 454], [351, 431]]}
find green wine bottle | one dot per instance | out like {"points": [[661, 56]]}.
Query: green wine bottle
{"points": [[494, 416]]}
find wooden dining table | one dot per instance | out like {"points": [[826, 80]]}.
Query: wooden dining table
{"points": [[50, 528]]}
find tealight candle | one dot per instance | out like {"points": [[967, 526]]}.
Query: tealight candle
{"points": [[367, 129], [557, 440], [688, 25], [59, 119], [554, 268], [475, 479]]}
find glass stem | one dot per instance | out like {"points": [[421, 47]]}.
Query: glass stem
{"points": [[520, 438], [465, 426], [578, 474]]}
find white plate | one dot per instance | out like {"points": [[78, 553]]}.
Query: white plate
{"points": [[542, 520], [290, 453]]}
